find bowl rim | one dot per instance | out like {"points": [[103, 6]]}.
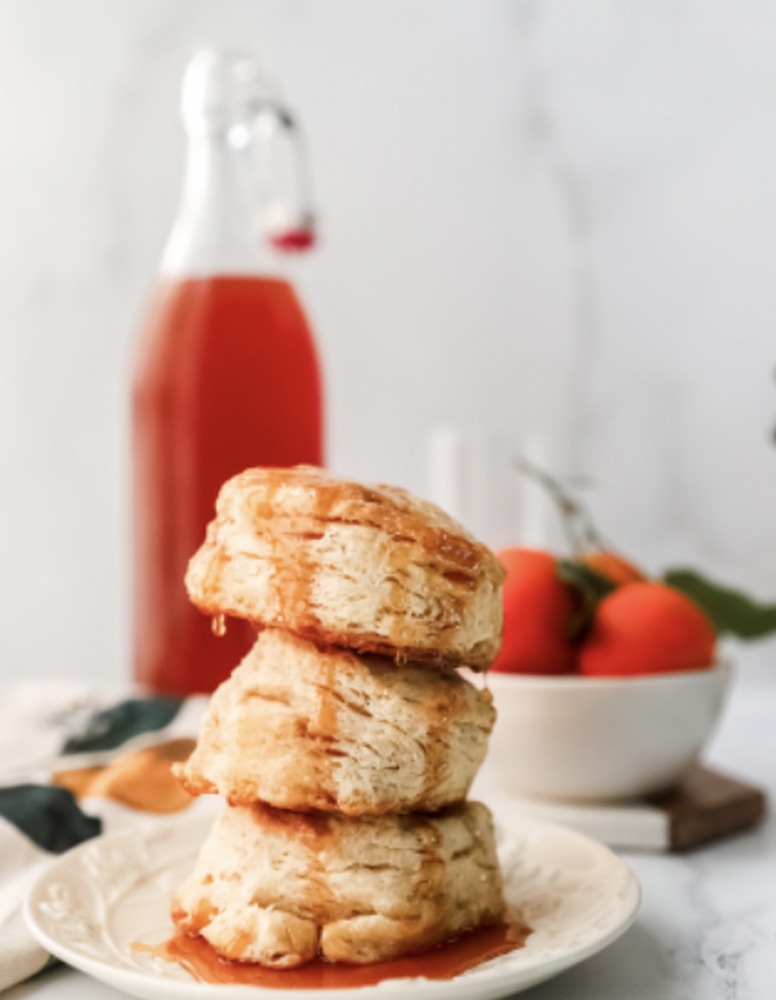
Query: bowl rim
{"points": [[719, 670]]}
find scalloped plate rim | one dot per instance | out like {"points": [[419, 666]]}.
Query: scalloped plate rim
{"points": [[485, 982]]}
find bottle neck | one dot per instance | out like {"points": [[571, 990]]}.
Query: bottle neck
{"points": [[216, 229]]}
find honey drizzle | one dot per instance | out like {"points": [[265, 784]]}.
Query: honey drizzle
{"points": [[444, 962], [309, 502]]}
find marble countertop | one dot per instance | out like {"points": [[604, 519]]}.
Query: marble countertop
{"points": [[707, 927]]}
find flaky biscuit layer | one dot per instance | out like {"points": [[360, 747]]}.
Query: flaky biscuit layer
{"points": [[281, 888], [370, 568], [303, 728]]}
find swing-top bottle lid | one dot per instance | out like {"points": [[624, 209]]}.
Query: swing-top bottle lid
{"points": [[227, 94], [222, 88]]}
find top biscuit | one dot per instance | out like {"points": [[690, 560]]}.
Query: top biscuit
{"points": [[369, 568]]}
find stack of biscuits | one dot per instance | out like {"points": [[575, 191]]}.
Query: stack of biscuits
{"points": [[345, 742]]}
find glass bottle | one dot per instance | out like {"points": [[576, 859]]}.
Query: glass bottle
{"points": [[226, 372]]}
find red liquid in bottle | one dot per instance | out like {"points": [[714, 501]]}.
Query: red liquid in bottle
{"points": [[226, 378]]}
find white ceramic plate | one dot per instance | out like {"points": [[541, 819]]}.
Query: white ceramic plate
{"points": [[97, 900]]}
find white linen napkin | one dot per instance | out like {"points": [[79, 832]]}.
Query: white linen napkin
{"points": [[43, 733]]}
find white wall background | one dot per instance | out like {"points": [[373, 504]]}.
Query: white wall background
{"points": [[540, 216]]}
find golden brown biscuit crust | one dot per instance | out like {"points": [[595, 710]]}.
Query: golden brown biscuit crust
{"points": [[370, 568], [303, 729], [280, 888]]}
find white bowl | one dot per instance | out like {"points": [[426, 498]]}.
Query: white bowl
{"points": [[601, 739]]}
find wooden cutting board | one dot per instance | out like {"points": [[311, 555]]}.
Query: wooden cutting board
{"points": [[707, 806]]}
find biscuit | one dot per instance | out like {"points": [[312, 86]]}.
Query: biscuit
{"points": [[303, 728], [281, 888], [370, 568]]}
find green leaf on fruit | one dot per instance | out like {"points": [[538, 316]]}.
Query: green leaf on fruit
{"points": [[590, 587], [731, 612]]}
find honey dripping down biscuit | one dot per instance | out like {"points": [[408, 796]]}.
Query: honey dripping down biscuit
{"points": [[368, 568], [281, 888], [303, 728], [345, 742]]}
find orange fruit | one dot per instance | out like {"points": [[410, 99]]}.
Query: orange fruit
{"points": [[613, 567], [537, 609], [647, 628]]}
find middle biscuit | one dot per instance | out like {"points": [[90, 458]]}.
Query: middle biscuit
{"points": [[302, 728]]}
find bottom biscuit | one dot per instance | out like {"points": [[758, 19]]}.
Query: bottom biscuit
{"points": [[281, 888]]}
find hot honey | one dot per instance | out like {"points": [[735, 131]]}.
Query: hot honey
{"points": [[446, 961]]}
